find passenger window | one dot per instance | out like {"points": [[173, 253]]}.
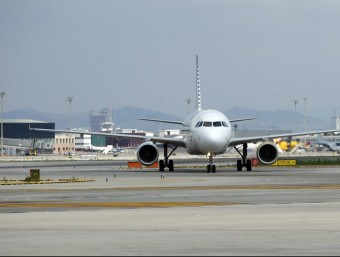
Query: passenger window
{"points": [[207, 124], [217, 124]]}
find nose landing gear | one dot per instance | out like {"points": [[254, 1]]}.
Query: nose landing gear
{"points": [[211, 167]]}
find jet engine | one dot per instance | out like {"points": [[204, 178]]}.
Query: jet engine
{"points": [[147, 153], [267, 153]]}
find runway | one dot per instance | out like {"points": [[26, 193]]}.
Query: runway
{"points": [[270, 211]]}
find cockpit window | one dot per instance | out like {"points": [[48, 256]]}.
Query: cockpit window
{"points": [[217, 124], [207, 124], [199, 124], [211, 124]]}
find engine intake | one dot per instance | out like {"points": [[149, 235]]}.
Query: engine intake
{"points": [[267, 153], [147, 153]]}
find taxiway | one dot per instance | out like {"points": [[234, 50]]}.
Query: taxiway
{"points": [[270, 211]]}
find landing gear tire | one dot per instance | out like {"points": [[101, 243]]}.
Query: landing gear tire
{"points": [[248, 165], [171, 165], [211, 168], [239, 165], [161, 165]]}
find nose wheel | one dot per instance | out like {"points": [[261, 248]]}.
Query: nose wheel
{"points": [[211, 167]]}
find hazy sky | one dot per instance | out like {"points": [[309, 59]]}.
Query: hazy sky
{"points": [[141, 53]]}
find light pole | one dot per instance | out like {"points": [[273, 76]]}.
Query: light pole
{"points": [[295, 103], [2, 94], [305, 100], [188, 101], [69, 99]]}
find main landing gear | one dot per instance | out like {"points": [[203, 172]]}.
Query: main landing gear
{"points": [[166, 163], [211, 167], [243, 162]]}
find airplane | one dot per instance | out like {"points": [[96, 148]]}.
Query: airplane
{"points": [[210, 133], [332, 146]]}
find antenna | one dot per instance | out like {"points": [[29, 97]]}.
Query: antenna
{"points": [[198, 87]]}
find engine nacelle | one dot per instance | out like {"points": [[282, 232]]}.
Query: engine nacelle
{"points": [[147, 154], [267, 153]]}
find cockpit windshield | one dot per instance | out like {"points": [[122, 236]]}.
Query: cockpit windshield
{"points": [[211, 124], [199, 124], [217, 124]]}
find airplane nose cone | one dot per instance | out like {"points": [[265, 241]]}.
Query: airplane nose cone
{"points": [[214, 142]]}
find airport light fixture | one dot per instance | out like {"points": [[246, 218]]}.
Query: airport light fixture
{"points": [[2, 94], [69, 99], [295, 103], [188, 102], [305, 100]]}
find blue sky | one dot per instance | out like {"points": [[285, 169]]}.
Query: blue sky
{"points": [[141, 53]]}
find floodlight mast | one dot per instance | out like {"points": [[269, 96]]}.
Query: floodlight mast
{"points": [[69, 99], [2, 94]]}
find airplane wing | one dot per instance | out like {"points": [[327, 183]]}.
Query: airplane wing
{"points": [[243, 140], [237, 120], [163, 140], [164, 121], [181, 123]]}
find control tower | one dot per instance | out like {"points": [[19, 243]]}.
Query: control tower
{"points": [[98, 118], [336, 121]]}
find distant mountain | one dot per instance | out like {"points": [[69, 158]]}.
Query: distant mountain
{"points": [[127, 117]]}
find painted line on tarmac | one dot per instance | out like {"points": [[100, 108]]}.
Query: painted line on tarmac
{"points": [[43, 182], [113, 204], [233, 187], [217, 187]]}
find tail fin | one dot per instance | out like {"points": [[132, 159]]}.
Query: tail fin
{"points": [[198, 87]]}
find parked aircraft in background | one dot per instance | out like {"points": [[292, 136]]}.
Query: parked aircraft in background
{"points": [[332, 146], [209, 133]]}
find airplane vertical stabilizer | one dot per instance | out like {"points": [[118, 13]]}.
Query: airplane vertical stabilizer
{"points": [[198, 87]]}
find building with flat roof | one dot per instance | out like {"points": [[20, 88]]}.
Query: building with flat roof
{"points": [[18, 136], [64, 144]]}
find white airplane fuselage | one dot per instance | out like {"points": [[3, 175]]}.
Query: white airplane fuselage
{"points": [[209, 133]]}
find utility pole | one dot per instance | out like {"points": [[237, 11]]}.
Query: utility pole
{"points": [[295, 103], [305, 100], [188, 101], [69, 99], [2, 94]]}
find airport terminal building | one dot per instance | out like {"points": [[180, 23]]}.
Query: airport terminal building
{"points": [[19, 140]]}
